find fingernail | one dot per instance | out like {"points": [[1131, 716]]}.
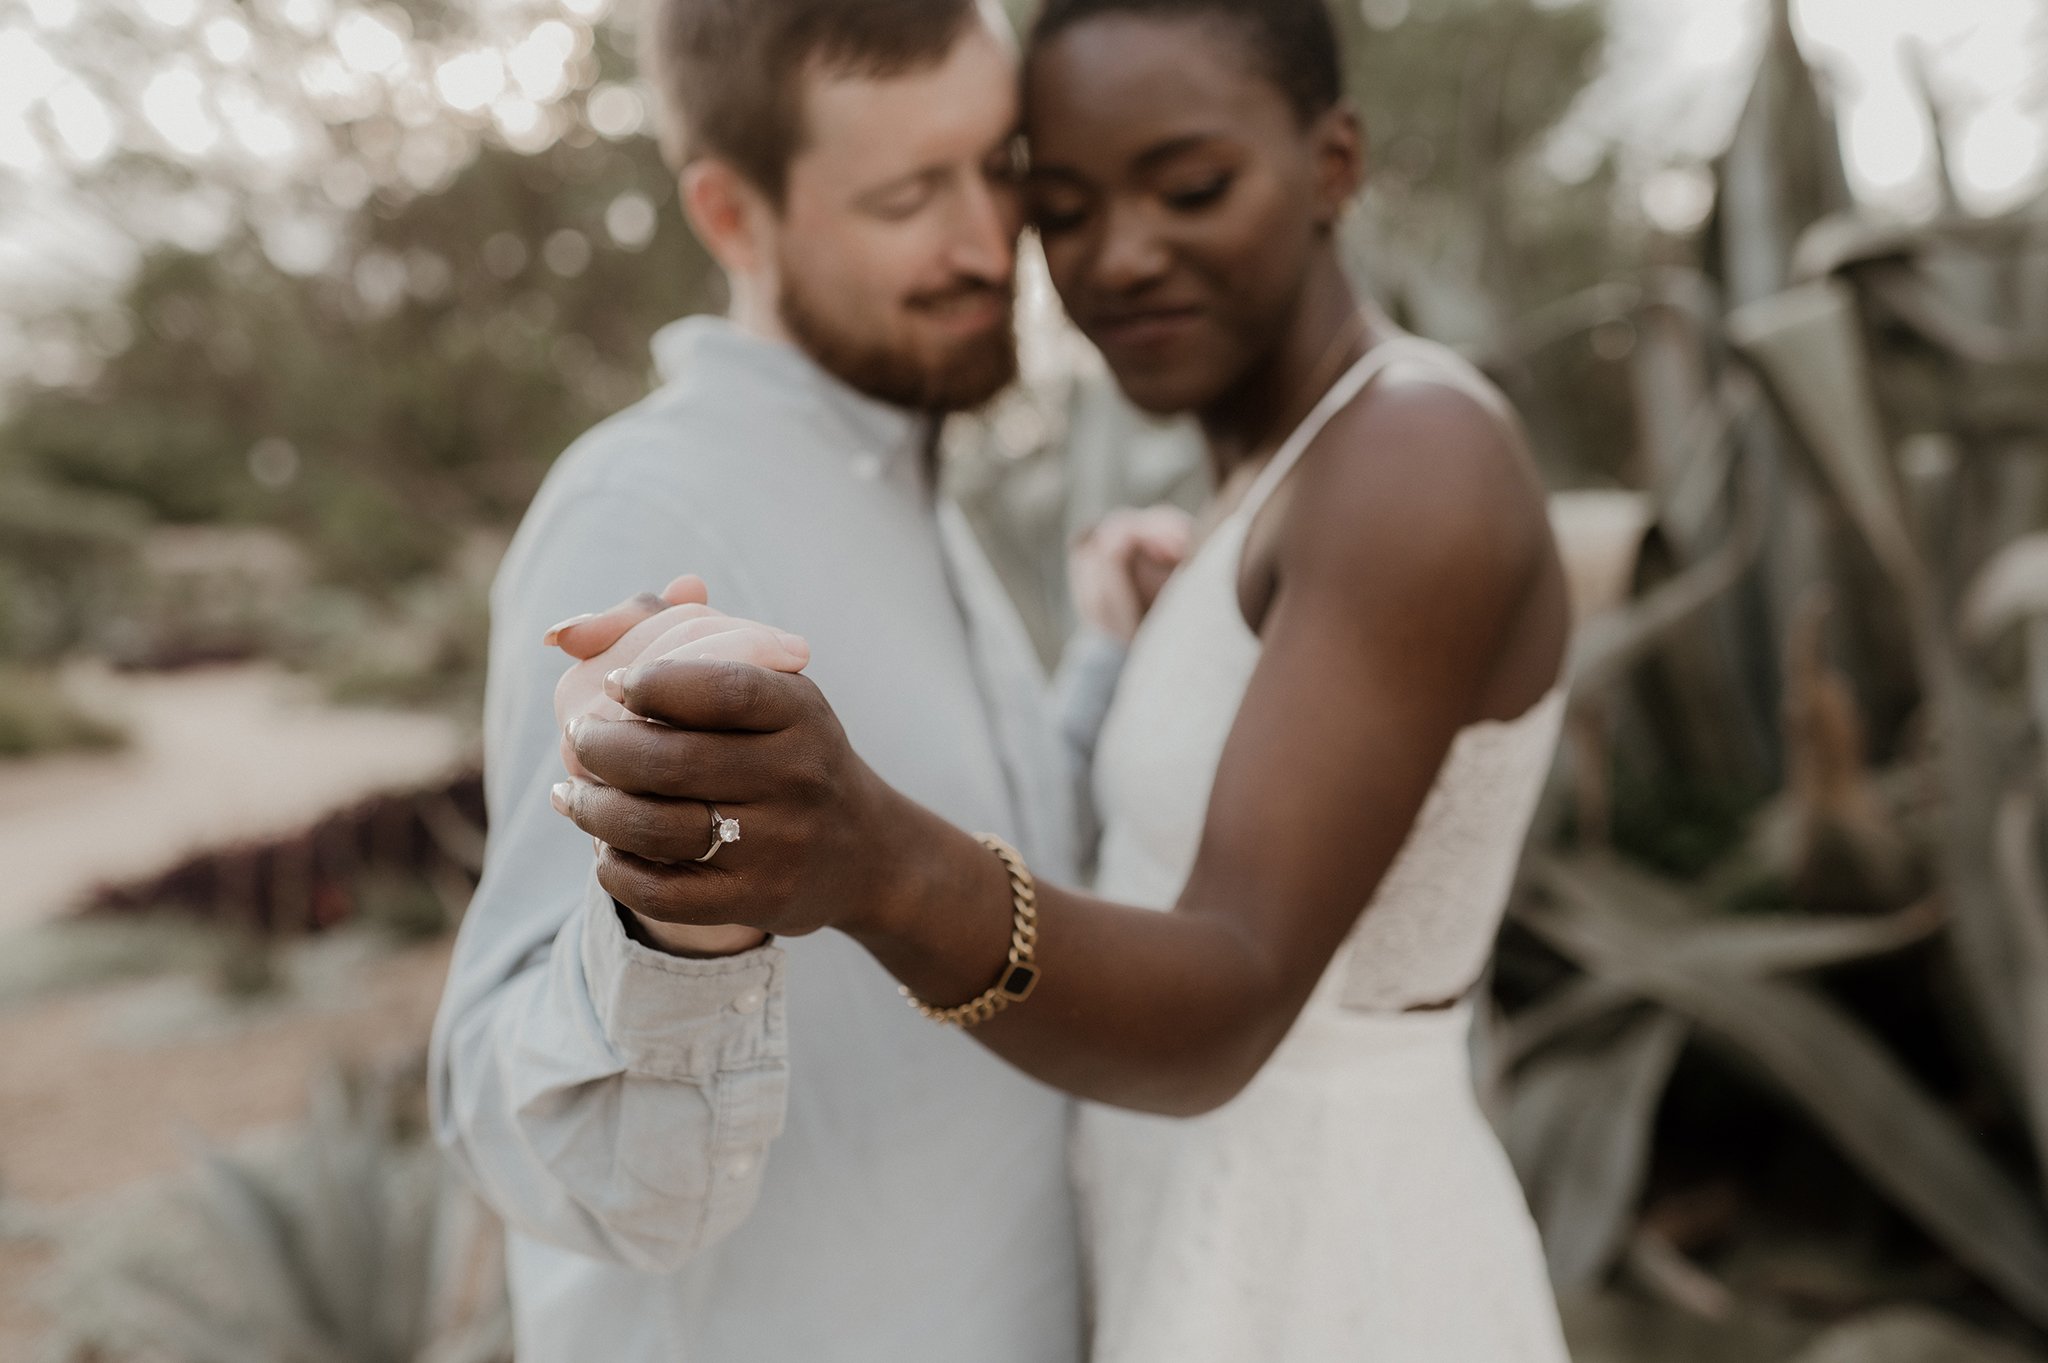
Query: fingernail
{"points": [[575, 730], [558, 796], [555, 631], [795, 643], [615, 684]]}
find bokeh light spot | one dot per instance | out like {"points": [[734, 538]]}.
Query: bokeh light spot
{"points": [[630, 221], [504, 255], [174, 104], [471, 81], [567, 253], [615, 111]]}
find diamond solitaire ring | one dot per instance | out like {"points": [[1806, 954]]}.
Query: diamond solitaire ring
{"points": [[723, 831]]}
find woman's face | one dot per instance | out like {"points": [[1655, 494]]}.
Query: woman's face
{"points": [[1178, 197]]}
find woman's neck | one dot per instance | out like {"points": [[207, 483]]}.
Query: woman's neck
{"points": [[1329, 331]]}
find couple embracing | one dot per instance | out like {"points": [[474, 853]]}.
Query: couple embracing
{"points": [[781, 1031]]}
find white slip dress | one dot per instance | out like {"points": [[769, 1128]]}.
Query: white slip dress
{"points": [[1352, 1203]]}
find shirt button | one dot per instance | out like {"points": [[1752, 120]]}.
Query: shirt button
{"points": [[749, 1001], [740, 1167]]}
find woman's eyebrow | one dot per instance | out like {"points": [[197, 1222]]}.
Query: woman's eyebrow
{"points": [[1149, 159], [1160, 152]]}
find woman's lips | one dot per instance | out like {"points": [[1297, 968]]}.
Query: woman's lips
{"points": [[1144, 330]]}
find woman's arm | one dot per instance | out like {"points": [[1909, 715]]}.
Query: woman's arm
{"points": [[1405, 569]]}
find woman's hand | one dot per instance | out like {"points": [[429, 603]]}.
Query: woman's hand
{"points": [[1116, 569], [713, 725], [677, 623]]}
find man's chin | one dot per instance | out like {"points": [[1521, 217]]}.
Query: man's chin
{"points": [[973, 376], [953, 374], [960, 380]]}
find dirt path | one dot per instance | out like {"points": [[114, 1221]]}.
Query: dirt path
{"points": [[218, 755]]}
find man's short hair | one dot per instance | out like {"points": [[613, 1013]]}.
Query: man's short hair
{"points": [[1294, 42], [728, 74]]}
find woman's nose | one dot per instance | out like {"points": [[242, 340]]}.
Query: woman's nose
{"points": [[1132, 254]]}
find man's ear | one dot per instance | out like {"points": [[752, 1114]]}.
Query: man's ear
{"points": [[727, 212], [1340, 151]]}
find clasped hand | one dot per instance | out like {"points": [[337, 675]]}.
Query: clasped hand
{"points": [[674, 708]]}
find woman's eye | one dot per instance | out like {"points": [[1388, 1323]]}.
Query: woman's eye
{"points": [[1195, 197], [1052, 224], [1052, 218]]}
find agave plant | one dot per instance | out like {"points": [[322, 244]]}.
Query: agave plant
{"points": [[1671, 967], [352, 1245], [1938, 485], [1843, 441]]}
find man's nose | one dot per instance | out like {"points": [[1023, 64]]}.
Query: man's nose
{"points": [[985, 239]]}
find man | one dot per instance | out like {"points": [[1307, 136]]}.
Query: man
{"points": [[707, 1146]]}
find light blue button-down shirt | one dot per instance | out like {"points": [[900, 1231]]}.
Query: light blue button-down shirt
{"points": [[766, 1158]]}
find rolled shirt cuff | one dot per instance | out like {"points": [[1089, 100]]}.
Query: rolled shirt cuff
{"points": [[679, 1017]]}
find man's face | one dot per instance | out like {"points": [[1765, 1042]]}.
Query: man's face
{"points": [[896, 245]]}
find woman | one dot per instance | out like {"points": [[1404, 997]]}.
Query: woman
{"points": [[1320, 762]]}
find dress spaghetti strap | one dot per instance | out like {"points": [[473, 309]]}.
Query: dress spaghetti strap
{"points": [[1348, 386]]}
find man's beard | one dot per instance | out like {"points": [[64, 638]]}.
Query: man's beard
{"points": [[967, 376]]}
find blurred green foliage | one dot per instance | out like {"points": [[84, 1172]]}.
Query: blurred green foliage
{"points": [[377, 416], [36, 718], [424, 383], [1467, 229]]}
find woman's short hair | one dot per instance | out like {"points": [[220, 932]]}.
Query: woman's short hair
{"points": [[1293, 41]]}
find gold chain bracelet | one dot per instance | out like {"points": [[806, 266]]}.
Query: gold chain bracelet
{"points": [[1020, 972]]}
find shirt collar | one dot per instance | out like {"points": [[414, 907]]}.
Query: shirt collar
{"points": [[884, 434]]}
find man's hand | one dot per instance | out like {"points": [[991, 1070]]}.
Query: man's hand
{"points": [[608, 640], [583, 637], [1118, 568], [648, 626], [760, 744]]}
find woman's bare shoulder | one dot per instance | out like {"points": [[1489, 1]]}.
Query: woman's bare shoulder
{"points": [[1427, 478]]}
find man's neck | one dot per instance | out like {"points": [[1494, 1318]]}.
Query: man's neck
{"points": [[754, 312]]}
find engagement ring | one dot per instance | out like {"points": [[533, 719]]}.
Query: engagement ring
{"points": [[723, 831]]}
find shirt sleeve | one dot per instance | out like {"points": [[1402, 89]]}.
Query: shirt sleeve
{"points": [[603, 1097], [1083, 686]]}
